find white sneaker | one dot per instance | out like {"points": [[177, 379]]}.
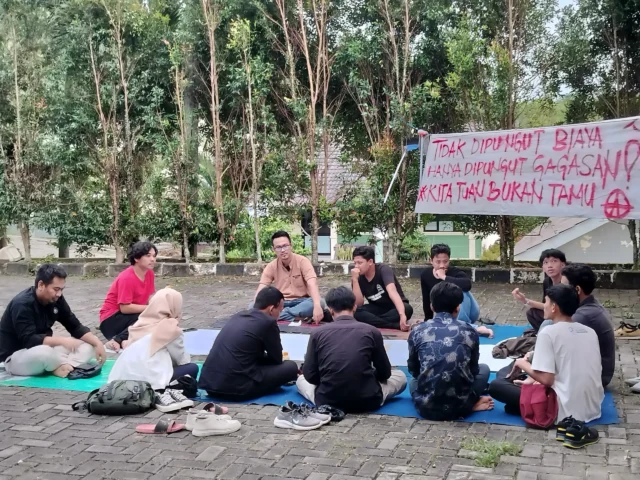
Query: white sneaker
{"points": [[166, 403], [180, 398], [193, 413], [208, 424], [632, 381]]}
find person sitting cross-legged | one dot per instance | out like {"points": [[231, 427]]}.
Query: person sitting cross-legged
{"points": [[442, 271], [296, 278], [346, 365], [128, 295], [443, 359], [27, 343], [566, 358], [387, 306], [245, 361]]}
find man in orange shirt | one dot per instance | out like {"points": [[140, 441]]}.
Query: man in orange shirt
{"points": [[296, 278]]}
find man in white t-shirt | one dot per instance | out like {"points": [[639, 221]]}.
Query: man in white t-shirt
{"points": [[567, 358]]}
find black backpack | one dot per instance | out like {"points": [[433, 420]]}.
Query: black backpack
{"points": [[120, 397]]}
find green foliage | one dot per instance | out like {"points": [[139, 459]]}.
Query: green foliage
{"points": [[492, 253], [243, 241], [415, 248]]}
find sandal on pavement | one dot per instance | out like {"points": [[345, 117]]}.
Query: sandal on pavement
{"points": [[626, 330], [163, 426]]}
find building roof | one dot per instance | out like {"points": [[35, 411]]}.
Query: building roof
{"points": [[551, 228], [339, 173]]}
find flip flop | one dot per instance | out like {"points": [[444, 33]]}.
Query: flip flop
{"points": [[163, 426]]}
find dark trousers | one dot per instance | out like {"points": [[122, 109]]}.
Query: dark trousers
{"points": [[190, 369], [116, 327], [382, 317], [273, 377], [535, 317], [505, 391]]}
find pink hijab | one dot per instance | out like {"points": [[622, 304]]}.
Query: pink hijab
{"points": [[160, 319]]}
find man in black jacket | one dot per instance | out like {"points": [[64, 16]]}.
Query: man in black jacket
{"points": [[346, 365], [245, 360], [441, 271], [27, 344]]}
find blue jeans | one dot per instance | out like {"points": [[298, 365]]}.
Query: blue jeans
{"points": [[545, 324], [469, 309], [300, 307]]}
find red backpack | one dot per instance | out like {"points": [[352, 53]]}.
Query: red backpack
{"points": [[538, 405]]}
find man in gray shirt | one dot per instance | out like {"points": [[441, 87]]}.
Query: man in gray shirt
{"points": [[592, 314]]}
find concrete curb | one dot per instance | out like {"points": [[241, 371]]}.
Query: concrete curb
{"points": [[610, 279]]}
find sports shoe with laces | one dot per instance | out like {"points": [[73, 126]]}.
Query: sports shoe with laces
{"points": [[295, 419], [179, 397], [578, 435], [166, 403], [310, 411], [561, 428]]}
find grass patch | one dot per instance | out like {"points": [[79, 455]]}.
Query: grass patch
{"points": [[628, 315], [490, 451], [609, 304]]}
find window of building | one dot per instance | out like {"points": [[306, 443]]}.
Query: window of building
{"points": [[439, 226]]}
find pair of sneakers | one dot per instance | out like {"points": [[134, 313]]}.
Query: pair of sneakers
{"points": [[210, 421], [575, 434], [172, 400], [300, 417]]}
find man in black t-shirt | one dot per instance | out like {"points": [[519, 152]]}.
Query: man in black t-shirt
{"points": [[442, 271], [387, 306]]}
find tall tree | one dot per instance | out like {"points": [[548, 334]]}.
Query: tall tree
{"points": [[501, 59], [392, 63], [25, 39], [598, 60]]}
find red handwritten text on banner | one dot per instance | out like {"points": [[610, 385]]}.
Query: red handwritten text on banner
{"points": [[588, 170]]}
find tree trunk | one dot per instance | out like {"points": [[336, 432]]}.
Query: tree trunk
{"points": [[185, 244], [633, 234], [3, 237], [315, 221], [193, 250], [504, 245], [25, 233], [119, 254], [63, 249], [391, 248]]}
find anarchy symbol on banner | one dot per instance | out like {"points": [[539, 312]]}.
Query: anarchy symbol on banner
{"points": [[617, 205]]}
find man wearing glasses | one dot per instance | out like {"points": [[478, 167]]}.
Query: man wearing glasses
{"points": [[295, 277]]}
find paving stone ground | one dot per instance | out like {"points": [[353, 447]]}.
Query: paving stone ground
{"points": [[42, 438]]}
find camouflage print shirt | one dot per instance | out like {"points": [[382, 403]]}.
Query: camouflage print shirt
{"points": [[443, 358]]}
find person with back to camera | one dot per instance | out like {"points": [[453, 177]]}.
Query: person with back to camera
{"points": [[444, 352]]}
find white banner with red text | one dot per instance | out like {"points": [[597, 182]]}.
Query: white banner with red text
{"points": [[588, 170]]}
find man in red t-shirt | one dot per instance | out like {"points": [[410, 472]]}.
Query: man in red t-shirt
{"points": [[129, 295]]}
